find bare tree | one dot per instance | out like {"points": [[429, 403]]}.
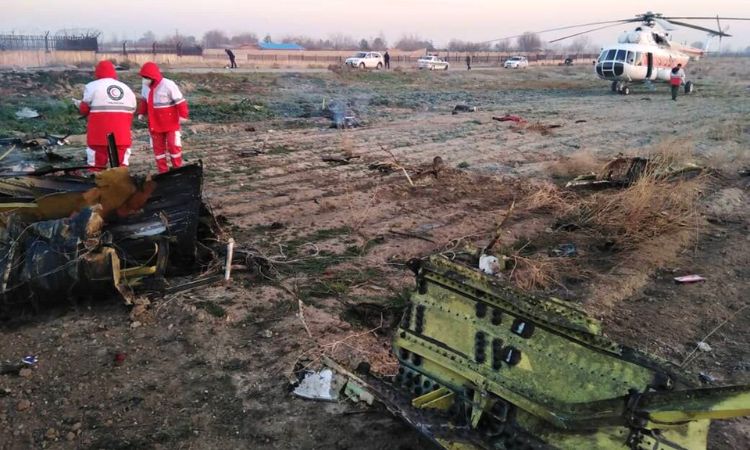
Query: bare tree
{"points": [[341, 41], [364, 45], [529, 42], [244, 39], [148, 38], [504, 45], [379, 43], [456, 45], [414, 42], [579, 45], [215, 39]]}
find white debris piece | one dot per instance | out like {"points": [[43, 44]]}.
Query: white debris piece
{"points": [[489, 264], [704, 347], [26, 113], [317, 386]]}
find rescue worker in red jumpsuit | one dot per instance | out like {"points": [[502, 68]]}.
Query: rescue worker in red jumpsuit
{"points": [[109, 105], [166, 108]]}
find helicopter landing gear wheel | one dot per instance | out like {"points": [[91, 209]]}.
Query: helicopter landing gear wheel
{"points": [[615, 86], [689, 87], [625, 90]]}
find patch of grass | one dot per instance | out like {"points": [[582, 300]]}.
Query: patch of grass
{"points": [[212, 308], [243, 110], [56, 117], [463, 165]]}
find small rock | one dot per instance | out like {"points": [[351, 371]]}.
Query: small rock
{"points": [[70, 436], [76, 426], [135, 324], [24, 373], [702, 346], [51, 434], [23, 405], [267, 333]]}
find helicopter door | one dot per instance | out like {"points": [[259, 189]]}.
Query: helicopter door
{"points": [[650, 62]]}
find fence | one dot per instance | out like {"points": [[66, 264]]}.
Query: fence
{"points": [[48, 43], [155, 48], [485, 58]]}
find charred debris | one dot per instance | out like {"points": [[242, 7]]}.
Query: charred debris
{"points": [[65, 236]]}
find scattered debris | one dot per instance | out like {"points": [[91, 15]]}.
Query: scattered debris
{"points": [[625, 171], [119, 358], [704, 347], [318, 386], [64, 236], [345, 159], [23, 405], [411, 235], [510, 118], [27, 113], [463, 108], [688, 279], [564, 251], [581, 121], [489, 264], [706, 378]]}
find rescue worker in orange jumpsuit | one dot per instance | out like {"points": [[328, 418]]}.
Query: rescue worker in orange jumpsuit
{"points": [[109, 106], [166, 108]]}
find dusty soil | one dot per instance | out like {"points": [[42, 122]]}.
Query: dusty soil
{"points": [[209, 368]]}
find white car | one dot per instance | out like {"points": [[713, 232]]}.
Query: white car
{"points": [[432, 62], [516, 62], [366, 60]]}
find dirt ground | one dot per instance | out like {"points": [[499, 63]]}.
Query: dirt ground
{"points": [[209, 369]]}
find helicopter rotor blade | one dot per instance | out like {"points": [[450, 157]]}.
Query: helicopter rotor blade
{"points": [[583, 32], [696, 27], [665, 24], [706, 18], [612, 22]]}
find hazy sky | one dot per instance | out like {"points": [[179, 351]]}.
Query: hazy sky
{"points": [[440, 20]]}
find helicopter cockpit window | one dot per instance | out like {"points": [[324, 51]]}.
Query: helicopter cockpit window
{"points": [[620, 55], [603, 56], [611, 55], [630, 58]]}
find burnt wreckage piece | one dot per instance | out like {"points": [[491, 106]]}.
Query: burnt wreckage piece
{"points": [[64, 236]]}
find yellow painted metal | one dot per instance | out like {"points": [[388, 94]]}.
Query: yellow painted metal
{"points": [[568, 385], [441, 399], [136, 272]]}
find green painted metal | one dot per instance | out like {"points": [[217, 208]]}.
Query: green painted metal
{"points": [[538, 372]]}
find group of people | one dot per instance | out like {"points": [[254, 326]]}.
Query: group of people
{"points": [[110, 105]]}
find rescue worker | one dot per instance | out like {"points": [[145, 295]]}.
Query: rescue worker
{"points": [[676, 79], [468, 62], [232, 63], [387, 60], [166, 108], [109, 106]]}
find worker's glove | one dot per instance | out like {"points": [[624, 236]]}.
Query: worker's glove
{"points": [[141, 118], [184, 120], [76, 102]]}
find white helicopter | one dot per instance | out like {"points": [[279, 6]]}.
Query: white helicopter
{"points": [[647, 53]]}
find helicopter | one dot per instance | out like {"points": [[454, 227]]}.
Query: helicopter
{"points": [[646, 54]]}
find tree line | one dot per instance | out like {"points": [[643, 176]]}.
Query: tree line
{"points": [[527, 42]]}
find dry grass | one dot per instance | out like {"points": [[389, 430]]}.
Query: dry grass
{"points": [[729, 130], [634, 221], [578, 163]]}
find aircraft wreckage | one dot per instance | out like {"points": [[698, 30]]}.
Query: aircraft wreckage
{"points": [[66, 236], [485, 366]]}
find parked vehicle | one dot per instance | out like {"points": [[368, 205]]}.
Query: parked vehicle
{"points": [[366, 60], [432, 62], [516, 62]]}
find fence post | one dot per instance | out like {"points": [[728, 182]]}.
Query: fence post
{"points": [[46, 42], [124, 51]]}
